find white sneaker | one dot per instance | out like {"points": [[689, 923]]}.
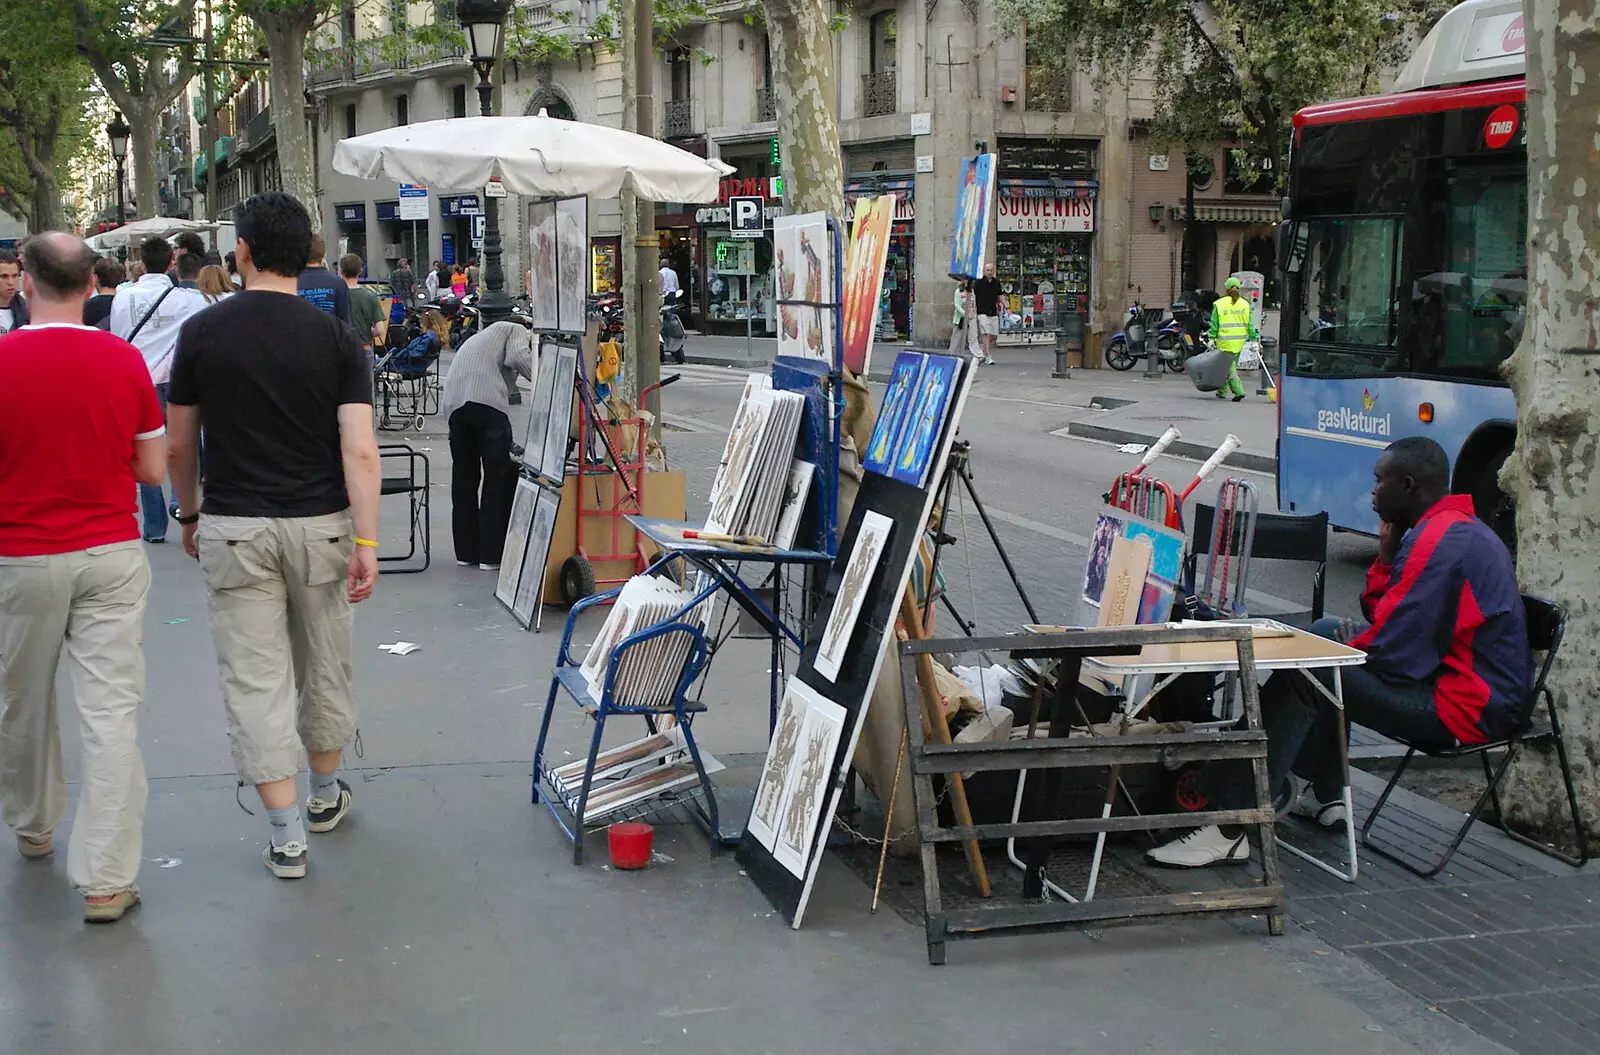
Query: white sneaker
{"points": [[489, 567], [1200, 848], [464, 563], [1328, 814]]}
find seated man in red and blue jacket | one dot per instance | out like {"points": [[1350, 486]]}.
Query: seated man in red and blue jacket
{"points": [[1448, 661]]}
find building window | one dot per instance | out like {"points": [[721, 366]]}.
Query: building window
{"points": [[350, 121], [402, 110], [678, 74], [678, 110], [347, 22], [1049, 83], [397, 15], [879, 92], [458, 101]]}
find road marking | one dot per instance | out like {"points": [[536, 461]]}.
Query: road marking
{"points": [[1336, 437]]}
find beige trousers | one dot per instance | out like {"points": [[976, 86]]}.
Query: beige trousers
{"points": [[281, 621], [89, 606]]}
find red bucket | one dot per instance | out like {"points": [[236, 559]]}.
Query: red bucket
{"points": [[630, 843]]}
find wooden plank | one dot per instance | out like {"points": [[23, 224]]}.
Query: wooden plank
{"points": [[1055, 754], [979, 922], [1089, 641], [1093, 825]]}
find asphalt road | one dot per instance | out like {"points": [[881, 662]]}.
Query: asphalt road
{"points": [[1038, 485]]}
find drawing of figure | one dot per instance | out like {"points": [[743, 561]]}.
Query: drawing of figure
{"points": [[813, 293], [744, 447], [779, 760], [925, 422], [842, 621], [808, 788], [786, 314]]}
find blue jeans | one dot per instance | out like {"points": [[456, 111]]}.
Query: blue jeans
{"points": [[151, 499]]}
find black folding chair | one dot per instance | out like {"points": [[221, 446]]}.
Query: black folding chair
{"points": [[405, 472], [1278, 536], [1547, 622]]}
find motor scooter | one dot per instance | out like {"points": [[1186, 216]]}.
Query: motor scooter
{"points": [[672, 331]]}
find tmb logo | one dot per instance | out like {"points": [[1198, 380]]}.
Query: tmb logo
{"points": [[1515, 39], [1501, 126]]}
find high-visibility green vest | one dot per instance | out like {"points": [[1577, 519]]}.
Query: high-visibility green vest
{"points": [[1233, 324]]}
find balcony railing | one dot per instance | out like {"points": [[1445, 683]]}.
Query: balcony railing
{"points": [[329, 66], [766, 104], [678, 120], [420, 48], [258, 129], [879, 94], [376, 56]]}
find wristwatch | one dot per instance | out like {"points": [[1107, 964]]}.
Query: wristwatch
{"points": [[192, 518]]}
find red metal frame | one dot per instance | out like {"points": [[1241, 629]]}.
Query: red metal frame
{"points": [[1142, 495], [627, 496]]}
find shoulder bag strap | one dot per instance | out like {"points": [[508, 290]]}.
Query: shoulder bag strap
{"points": [[151, 311]]}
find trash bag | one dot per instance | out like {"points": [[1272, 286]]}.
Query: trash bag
{"points": [[1209, 370]]}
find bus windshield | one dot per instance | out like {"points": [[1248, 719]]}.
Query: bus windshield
{"points": [[1440, 291]]}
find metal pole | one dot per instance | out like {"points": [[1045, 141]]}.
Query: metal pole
{"points": [[494, 306], [646, 352], [211, 122], [121, 214]]}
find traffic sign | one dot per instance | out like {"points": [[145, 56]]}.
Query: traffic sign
{"points": [[745, 217], [413, 202]]}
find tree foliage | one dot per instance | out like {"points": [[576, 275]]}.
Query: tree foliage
{"points": [[43, 91], [1227, 71]]}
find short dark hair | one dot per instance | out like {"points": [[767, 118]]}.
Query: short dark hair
{"points": [[318, 251], [277, 229], [7, 256], [189, 265], [156, 255], [1423, 460], [213, 258], [108, 271], [350, 265], [60, 264], [189, 242], [232, 262]]}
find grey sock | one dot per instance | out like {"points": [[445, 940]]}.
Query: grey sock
{"points": [[325, 786], [287, 826]]}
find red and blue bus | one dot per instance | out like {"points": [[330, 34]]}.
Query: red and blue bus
{"points": [[1404, 267]]}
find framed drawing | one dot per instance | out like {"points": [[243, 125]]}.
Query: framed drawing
{"points": [[530, 581], [542, 265], [539, 405], [802, 265], [517, 528], [794, 779], [553, 455], [863, 278], [795, 494], [858, 575], [572, 258]]}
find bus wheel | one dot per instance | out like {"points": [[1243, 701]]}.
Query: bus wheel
{"points": [[1493, 505]]}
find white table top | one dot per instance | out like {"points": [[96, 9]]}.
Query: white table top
{"points": [[1296, 650]]}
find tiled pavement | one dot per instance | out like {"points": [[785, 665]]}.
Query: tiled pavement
{"points": [[1505, 941]]}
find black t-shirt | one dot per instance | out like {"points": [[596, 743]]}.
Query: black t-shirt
{"points": [[97, 309], [987, 293], [326, 290], [269, 372]]}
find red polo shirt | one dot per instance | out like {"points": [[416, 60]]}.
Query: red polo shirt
{"points": [[80, 398]]}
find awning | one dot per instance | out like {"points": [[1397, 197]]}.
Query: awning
{"points": [[1230, 213], [900, 186], [1049, 188]]}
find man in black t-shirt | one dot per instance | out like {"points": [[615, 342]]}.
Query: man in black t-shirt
{"points": [[286, 535], [320, 286], [986, 291]]}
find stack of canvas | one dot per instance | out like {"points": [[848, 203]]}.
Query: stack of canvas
{"points": [[758, 462], [648, 672]]}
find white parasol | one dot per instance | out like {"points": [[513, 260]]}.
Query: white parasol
{"points": [[533, 156], [131, 234]]}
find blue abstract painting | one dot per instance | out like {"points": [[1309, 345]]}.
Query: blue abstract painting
{"points": [[930, 405], [892, 414], [974, 199]]}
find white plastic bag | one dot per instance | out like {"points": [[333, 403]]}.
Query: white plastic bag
{"points": [[1250, 356]]}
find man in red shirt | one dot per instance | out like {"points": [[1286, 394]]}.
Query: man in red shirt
{"points": [[73, 576]]}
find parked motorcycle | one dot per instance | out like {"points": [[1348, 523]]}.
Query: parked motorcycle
{"points": [[672, 332], [1127, 346]]}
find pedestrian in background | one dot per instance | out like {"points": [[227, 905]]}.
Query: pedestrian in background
{"points": [[1231, 326], [320, 286], [287, 534], [477, 390], [403, 282], [432, 284], [108, 275], [472, 274], [986, 297], [367, 315], [73, 577], [964, 323], [13, 305], [214, 283], [148, 314], [458, 281]]}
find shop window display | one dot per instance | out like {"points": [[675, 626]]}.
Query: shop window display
{"points": [[1042, 278]]}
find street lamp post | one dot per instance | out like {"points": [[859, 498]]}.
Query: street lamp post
{"points": [[484, 22], [118, 132]]}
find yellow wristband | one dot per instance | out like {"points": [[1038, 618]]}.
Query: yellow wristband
{"points": [[366, 542]]}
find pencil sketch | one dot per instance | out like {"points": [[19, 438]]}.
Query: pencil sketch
{"points": [[812, 775], [763, 823], [871, 539]]}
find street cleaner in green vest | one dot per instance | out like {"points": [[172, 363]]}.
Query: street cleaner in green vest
{"points": [[1231, 327]]}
